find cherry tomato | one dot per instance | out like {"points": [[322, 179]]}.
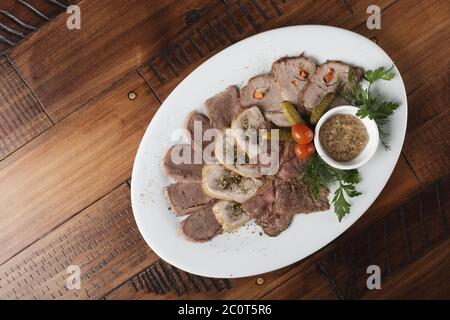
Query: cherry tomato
{"points": [[302, 134], [305, 151]]}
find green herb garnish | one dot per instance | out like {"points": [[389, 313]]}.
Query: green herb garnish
{"points": [[228, 180], [369, 104], [318, 174], [236, 208]]}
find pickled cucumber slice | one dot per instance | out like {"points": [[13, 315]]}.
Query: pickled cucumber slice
{"points": [[284, 135], [321, 108], [291, 113]]}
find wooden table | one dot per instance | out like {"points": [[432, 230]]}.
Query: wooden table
{"points": [[69, 131]]}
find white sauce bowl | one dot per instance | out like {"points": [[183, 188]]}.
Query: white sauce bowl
{"points": [[366, 154]]}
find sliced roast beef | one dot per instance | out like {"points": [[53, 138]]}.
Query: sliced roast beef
{"points": [[264, 91], [179, 164], [201, 225], [290, 165], [223, 108], [275, 204], [293, 74], [198, 120], [187, 197], [295, 198], [262, 202]]}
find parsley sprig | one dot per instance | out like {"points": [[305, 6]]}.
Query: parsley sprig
{"points": [[318, 174], [360, 94]]}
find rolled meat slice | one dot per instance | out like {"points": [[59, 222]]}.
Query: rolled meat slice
{"points": [[293, 75]]}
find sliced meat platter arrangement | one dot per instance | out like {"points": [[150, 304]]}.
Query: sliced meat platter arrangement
{"points": [[224, 196]]}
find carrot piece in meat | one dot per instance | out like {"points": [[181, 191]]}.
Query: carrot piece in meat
{"points": [[329, 77]]}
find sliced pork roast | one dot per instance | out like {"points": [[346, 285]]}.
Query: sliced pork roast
{"points": [[246, 131], [187, 197], [331, 77], [186, 171], [223, 184], [293, 74], [231, 157], [275, 204], [223, 108], [264, 91], [201, 225]]}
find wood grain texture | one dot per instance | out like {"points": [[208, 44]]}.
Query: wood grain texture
{"points": [[21, 116], [78, 161], [426, 278], [415, 37], [393, 243], [102, 240], [229, 21], [428, 148], [66, 68], [21, 20], [427, 144], [161, 280]]}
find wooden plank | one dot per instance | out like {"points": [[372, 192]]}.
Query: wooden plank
{"points": [[403, 182], [426, 278], [407, 34], [67, 68], [246, 288], [71, 166], [21, 116], [427, 148], [429, 101], [306, 284], [162, 280], [30, 21], [102, 240], [427, 143], [165, 69]]}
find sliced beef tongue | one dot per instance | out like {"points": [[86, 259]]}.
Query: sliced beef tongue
{"points": [[223, 108], [179, 164], [264, 91], [198, 120], [293, 74], [201, 225], [187, 197], [275, 204]]}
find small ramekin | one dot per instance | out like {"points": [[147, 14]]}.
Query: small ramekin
{"points": [[369, 150]]}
